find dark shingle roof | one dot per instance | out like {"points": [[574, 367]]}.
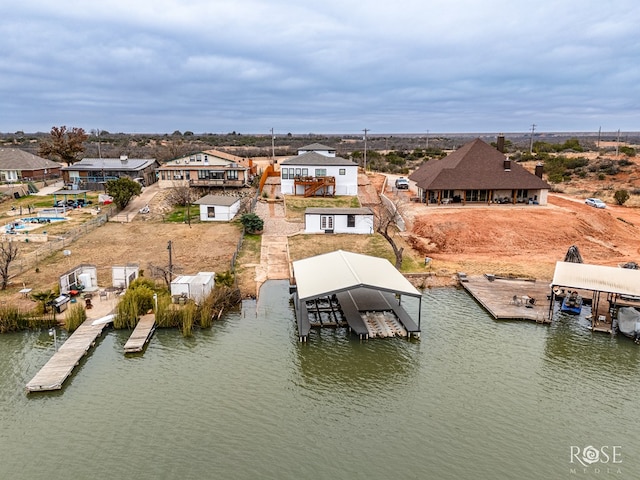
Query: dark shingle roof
{"points": [[476, 165], [316, 159], [221, 200], [317, 147], [16, 159], [338, 211]]}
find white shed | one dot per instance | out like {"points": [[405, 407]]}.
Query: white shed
{"points": [[195, 287], [83, 277], [122, 276], [218, 208], [338, 220]]}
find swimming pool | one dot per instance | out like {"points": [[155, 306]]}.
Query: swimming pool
{"points": [[30, 223]]}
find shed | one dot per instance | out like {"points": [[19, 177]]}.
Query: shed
{"points": [[122, 276], [218, 208], [82, 278], [340, 272], [195, 287], [338, 220]]}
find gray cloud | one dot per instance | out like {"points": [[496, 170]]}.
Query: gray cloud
{"points": [[338, 66]]}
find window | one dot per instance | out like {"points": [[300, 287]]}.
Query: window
{"points": [[211, 212], [285, 174], [298, 171], [321, 172], [305, 172], [232, 175], [342, 171], [351, 220]]}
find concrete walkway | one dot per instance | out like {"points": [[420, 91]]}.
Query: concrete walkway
{"points": [[131, 210], [274, 252]]}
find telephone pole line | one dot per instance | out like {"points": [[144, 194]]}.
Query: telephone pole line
{"points": [[365, 148], [533, 129]]}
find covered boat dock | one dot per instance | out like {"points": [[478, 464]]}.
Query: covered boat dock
{"points": [[349, 289], [621, 286]]}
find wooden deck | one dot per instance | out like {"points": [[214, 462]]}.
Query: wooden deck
{"points": [[53, 374], [496, 295], [141, 334]]}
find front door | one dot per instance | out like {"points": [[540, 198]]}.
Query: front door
{"points": [[326, 223]]}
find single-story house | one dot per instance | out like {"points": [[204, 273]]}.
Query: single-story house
{"points": [[478, 173], [218, 208], [194, 287], [338, 220], [17, 165], [210, 168], [93, 173], [317, 171]]}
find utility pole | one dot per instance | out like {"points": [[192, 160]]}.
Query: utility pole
{"points": [[426, 143], [533, 129], [618, 144], [273, 147], [365, 149], [599, 132], [169, 247]]}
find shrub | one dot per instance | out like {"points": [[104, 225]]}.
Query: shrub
{"points": [[621, 196], [252, 222], [76, 315]]}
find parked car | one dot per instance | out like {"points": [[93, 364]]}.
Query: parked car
{"points": [[595, 202], [402, 183]]}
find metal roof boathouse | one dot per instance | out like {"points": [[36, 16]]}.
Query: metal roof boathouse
{"points": [[349, 289]]}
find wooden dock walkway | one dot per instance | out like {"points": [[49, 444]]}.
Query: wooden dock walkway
{"points": [[507, 299], [141, 334], [53, 374]]}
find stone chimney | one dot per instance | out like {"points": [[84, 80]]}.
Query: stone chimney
{"points": [[500, 143], [539, 170]]}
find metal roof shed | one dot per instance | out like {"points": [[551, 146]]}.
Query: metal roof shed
{"points": [[341, 271]]}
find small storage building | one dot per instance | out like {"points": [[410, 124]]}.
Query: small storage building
{"points": [[194, 287], [122, 276], [80, 278], [218, 208], [338, 220]]}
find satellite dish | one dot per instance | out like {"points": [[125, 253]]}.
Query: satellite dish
{"points": [[66, 253]]}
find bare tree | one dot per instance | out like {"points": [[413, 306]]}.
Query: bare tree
{"points": [[163, 272], [387, 216], [64, 145], [8, 253], [181, 195]]}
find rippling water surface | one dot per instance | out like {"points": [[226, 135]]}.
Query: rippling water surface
{"points": [[473, 398]]}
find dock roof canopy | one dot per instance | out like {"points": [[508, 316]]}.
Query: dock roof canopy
{"points": [[599, 278], [340, 271]]}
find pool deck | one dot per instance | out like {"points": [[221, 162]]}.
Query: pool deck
{"points": [[508, 299]]}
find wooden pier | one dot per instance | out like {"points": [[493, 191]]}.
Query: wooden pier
{"points": [[141, 334], [510, 299], [53, 374]]}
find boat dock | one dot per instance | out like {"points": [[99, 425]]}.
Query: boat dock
{"points": [[509, 299], [141, 334], [59, 367]]}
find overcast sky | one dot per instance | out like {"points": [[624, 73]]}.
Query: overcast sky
{"points": [[331, 66]]}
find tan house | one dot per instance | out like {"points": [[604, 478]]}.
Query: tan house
{"points": [[478, 173], [210, 168], [93, 173]]}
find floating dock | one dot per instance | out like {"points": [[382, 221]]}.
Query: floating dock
{"points": [[141, 334], [54, 373], [510, 299]]}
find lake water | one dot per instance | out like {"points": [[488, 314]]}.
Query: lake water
{"points": [[472, 399]]}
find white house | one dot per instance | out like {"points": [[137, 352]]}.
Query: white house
{"points": [[218, 208], [338, 220], [317, 171], [195, 287]]}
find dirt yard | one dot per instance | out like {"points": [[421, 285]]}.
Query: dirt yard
{"points": [[523, 241]]}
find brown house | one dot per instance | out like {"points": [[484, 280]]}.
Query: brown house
{"points": [[17, 165], [478, 173], [211, 168]]}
